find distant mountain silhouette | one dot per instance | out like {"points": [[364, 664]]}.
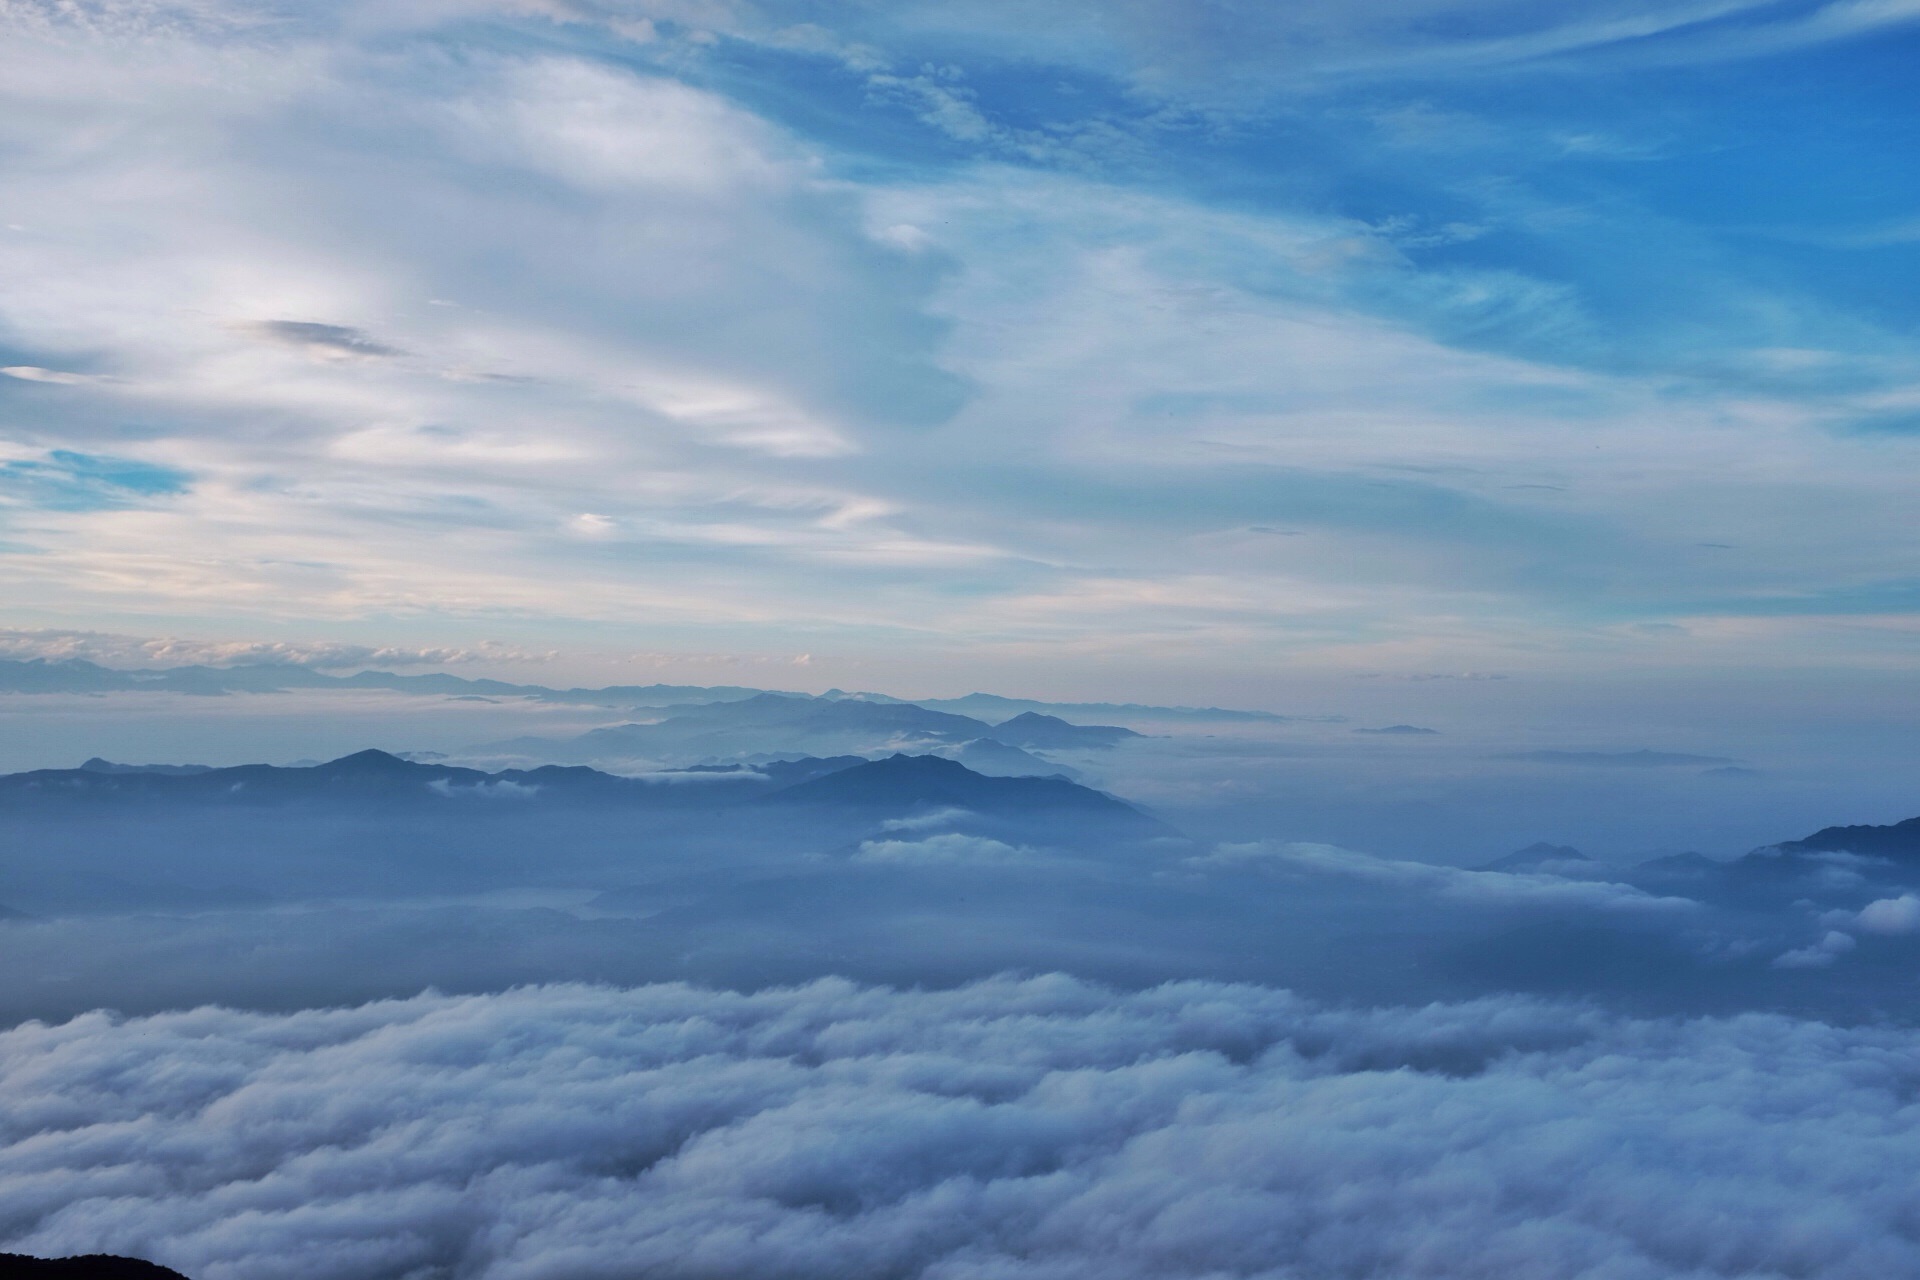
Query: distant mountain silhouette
{"points": [[998, 760], [1401, 730], [92, 1266], [1554, 859], [1031, 729], [903, 783], [78, 675], [97, 765], [362, 779], [1775, 875], [991, 705], [1899, 840], [377, 780], [769, 722], [777, 711]]}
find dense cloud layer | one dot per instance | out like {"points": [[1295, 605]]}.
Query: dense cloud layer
{"points": [[1041, 1128]]}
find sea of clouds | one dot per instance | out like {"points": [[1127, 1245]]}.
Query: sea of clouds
{"points": [[1039, 1129]]}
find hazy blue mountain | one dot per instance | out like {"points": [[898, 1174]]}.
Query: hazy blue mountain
{"points": [[1815, 869], [37, 675], [991, 706], [1551, 859], [1899, 840], [97, 765], [377, 778], [364, 778], [765, 723], [1401, 730], [904, 783], [1050, 733], [998, 760], [78, 675], [373, 826], [842, 695]]}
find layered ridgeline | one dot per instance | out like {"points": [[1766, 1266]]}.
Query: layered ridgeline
{"points": [[773, 723], [371, 824], [76, 675], [895, 787], [743, 836], [1833, 865]]}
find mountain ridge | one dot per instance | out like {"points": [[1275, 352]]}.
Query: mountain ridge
{"points": [[81, 675]]}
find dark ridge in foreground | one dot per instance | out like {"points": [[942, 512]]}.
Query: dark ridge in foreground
{"points": [[92, 1266]]}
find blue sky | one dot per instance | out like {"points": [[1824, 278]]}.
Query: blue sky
{"points": [[970, 343]]}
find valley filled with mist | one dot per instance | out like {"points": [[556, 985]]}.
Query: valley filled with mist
{"points": [[831, 906]]}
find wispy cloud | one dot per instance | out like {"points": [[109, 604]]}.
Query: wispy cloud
{"points": [[622, 336], [1456, 884]]}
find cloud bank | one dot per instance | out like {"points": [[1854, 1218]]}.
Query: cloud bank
{"points": [[1016, 1129]]}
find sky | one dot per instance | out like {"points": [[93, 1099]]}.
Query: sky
{"points": [[1200, 352]]}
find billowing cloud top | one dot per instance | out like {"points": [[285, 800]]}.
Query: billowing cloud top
{"points": [[1010, 1129], [1397, 338]]}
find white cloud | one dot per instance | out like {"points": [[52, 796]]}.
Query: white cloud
{"points": [[33, 373], [494, 789], [950, 847], [1899, 915], [1818, 955], [924, 821], [1456, 884], [1017, 1130]]}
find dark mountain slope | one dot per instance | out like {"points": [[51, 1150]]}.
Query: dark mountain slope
{"points": [[1899, 840], [93, 1266], [365, 779], [1031, 729], [903, 783]]}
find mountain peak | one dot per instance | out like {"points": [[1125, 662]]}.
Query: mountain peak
{"points": [[1036, 719], [371, 760], [902, 783]]}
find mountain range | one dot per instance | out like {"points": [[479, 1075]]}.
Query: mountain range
{"points": [[771, 723], [78, 675], [372, 781]]}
